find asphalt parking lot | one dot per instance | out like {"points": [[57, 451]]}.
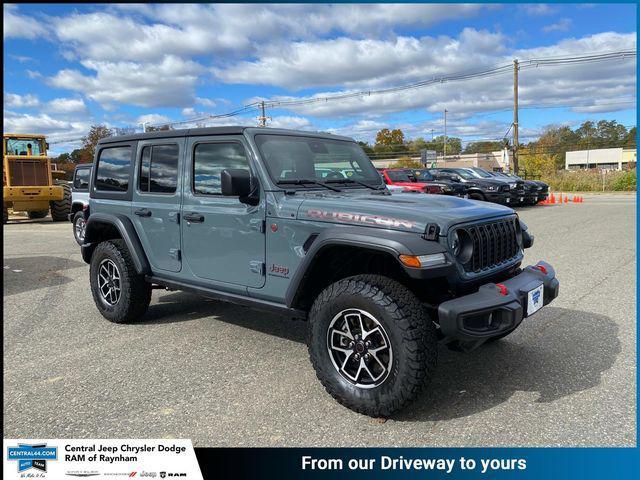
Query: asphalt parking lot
{"points": [[225, 375]]}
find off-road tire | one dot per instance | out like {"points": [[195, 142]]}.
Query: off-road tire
{"points": [[135, 294], [411, 333], [37, 214], [60, 209], [79, 216]]}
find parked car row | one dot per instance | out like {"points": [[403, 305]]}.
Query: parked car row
{"points": [[475, 183]]}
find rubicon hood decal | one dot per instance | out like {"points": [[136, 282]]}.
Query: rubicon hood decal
{"points": [[347, 217]]}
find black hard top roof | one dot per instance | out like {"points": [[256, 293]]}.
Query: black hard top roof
{"points": [[233, 130]]}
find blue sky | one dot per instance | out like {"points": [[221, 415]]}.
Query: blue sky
{"points": [[69, 66]]}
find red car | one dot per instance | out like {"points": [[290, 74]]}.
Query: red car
{"points": [[405, 178]]}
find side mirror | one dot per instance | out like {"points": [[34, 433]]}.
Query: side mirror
{"points": [[46, 145], [236, 182]]}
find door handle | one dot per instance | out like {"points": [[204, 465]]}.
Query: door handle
{"points": [[193, 217], [143, 212]]}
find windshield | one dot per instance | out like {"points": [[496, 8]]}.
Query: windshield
{"points": [[291, 158], [423, 174], [397, 176], [481, 173], [24, 146], [466, 174]]}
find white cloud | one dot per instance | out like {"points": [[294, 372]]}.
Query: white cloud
{"points": [[168, 83], [345, 61], [152, 118], [13, 100], [67, 105], [564, 85], [206, 102], [53, 128], [33, 74], [561, 25], [20, 26], [294, 123], [21, 58], [188, 112], [538, 9]]}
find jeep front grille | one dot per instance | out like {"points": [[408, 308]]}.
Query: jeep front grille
{"points": [[494, 243]]}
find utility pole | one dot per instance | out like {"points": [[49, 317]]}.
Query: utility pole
{"points": [[432, 134], [262, 119], [444, 148], [515, 116]]}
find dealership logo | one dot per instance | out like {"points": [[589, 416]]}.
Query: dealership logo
{"points": [[536, 298], [32, 456], [82, 473]]}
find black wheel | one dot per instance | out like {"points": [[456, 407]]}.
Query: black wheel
{"points": [[121, 294], [60, 209], [38, 214], [371, 343], [5, 215], [79, 226], [477, 196]]}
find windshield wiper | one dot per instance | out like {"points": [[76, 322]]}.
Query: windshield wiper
{"points": [[351, 180], [306, 181]]}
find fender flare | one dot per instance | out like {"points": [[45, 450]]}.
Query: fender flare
{"points": [[128, 233], [391, 242]]}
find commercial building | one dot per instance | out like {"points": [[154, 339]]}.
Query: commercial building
{"points": [[603, 158], [492, 161]]}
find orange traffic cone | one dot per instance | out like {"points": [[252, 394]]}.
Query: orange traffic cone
{"points": [[566, 199], [560, 198], [574, 199], [552, 200]]}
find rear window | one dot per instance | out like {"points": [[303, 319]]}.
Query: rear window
{"points": [[81, 180], [159, 169], [114, 169]]}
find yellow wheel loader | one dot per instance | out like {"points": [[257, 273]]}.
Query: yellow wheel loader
{"points": [[29, 184]]}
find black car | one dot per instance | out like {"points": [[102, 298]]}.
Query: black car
{"points": [[425, 175], [537, 191], [478, 188]]}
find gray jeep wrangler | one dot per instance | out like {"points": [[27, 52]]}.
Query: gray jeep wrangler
{"points": [[302, 224]]}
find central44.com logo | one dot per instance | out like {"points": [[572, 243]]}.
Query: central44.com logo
{"points": [[32, 456]]}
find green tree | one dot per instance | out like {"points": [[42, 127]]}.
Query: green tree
{"points": [[484, 147], [89, 142]]}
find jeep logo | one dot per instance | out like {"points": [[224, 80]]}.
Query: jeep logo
{"points": [[357, 218]]}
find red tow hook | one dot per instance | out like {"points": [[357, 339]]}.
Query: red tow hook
{"points": [[541, 268], [503, 289]]}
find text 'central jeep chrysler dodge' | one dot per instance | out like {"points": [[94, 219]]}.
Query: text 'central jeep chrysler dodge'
{"points": [[302, 224]]}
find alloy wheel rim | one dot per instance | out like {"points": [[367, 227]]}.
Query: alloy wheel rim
{"points": [[359, 348], [80, 228], [109, 281]]}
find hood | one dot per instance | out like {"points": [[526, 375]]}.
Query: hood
{"points": [[487, 181], [405, 212]]}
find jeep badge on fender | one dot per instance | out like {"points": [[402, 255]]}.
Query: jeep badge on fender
{"points": [[380, 278]]}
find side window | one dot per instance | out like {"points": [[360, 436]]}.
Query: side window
{"points": [[81, 180], [113, 170], [159, 169], [209, 159]]}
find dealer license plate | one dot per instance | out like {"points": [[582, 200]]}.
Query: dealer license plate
{"points": [[535, 300]]}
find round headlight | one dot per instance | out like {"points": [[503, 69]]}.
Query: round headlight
{"points": [[455, 243], [462, 246]]}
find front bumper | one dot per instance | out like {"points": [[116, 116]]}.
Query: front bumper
{"points": [[493, 310], [498, 197]]}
